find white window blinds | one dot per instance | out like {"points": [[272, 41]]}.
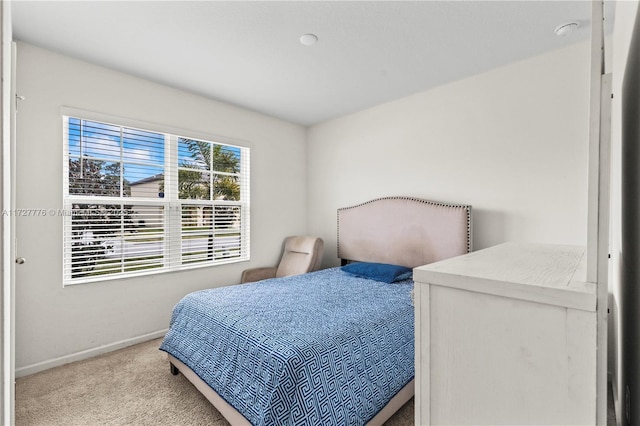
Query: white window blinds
{"points": [[139, 202]]}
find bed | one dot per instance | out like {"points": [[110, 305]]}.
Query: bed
{"points": [[326, 347]]}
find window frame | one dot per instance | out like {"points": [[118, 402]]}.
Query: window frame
{"points": [[173, 255]]}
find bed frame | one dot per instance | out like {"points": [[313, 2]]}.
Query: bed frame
{"points": [[397, 230]]}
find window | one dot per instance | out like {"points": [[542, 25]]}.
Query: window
{"points": [[139, 202]]}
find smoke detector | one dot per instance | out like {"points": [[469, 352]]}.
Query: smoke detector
{"points": [[566, 29]]}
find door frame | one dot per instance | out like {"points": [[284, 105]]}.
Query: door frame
{"points": [[7, 248], [599, 188]]}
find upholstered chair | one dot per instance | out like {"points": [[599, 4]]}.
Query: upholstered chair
{"points": [[301, 254]]}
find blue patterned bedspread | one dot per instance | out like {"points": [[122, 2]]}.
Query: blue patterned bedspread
{"points": [[324, 348]]}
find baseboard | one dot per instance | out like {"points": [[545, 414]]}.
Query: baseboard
{"points": [[89, 353]]}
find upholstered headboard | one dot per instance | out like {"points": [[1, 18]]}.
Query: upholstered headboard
{"points": [[403, 231]]}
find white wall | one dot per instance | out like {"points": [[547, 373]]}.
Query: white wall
{"points": [[512, 142], [55, 324], [625, 15]]}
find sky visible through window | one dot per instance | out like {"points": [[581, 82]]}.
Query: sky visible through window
{"points": [[141, 153]]}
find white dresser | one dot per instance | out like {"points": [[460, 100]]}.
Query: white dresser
{"points": [[506, 335]]}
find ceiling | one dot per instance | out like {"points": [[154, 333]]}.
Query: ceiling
{"points": [[249, 54]]}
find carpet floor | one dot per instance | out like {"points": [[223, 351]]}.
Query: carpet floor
{"points": [[131, 386]]}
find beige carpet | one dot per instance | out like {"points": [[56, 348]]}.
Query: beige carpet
{"points": [[132, 386]]}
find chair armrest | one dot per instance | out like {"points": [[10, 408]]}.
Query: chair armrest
{"points": [[257, 274]]}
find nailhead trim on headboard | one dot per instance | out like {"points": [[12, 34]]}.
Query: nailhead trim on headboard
{"points": [[418, 200]]}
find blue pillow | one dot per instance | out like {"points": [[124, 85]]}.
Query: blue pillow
{"points": [[378, 271]]}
